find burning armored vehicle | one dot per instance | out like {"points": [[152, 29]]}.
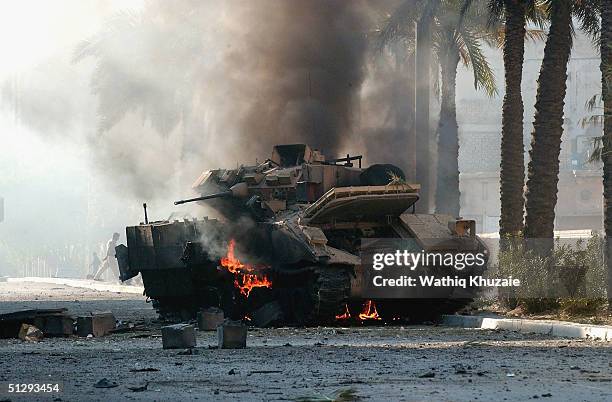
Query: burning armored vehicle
{"points": [[290, 242]]}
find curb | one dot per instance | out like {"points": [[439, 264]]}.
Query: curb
{"points": [[558, 329]]}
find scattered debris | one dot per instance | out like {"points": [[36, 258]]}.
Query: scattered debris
{"points": [[105, 383], [232, 372], [30, 333], [264, 372], [144, 370], [547, 395], [187, 352], [460, 369], [232, 335], [139, 388], [145, 336], [599, 379], [52, 322], [55, 324], [126, 326], [210, 319], [178, 336], [341, 395], [97, 324]]}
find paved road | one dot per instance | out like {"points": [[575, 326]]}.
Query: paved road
{"points": [[416, 363]]}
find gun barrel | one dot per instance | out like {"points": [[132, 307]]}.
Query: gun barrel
{"points": [[204, 197]]}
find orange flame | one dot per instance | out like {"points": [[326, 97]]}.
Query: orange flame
{"points": [[244, 279], [369, 311], [344, 316]]}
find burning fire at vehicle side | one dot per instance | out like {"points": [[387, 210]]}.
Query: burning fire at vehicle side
{"points": [[246, 276], [369, 312], [344, 316]]}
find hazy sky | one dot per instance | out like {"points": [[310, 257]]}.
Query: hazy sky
{"points": [[44, 180]]}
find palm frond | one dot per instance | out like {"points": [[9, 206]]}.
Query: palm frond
{"points": [[121, 22], [593, 102], [396, 25], [536, 35], [537, 13], [472, 55], [588, 12], [599, 145], [496, 11], [594, 120]]}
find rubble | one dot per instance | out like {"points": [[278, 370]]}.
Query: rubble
{"points": [[30, 333], [232, 335], [178, 336], [210, 318], [55, 324], [105, 383], [52, 322], [127, 326], [144, 370], [97, 324], [139, 388]]}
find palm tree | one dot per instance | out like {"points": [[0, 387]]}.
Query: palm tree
{"points": [[457, 36], [606, 91], [543, 168], [512, 167], [515, 14]]}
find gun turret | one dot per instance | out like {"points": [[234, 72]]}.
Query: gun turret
{"points": [[237, 190]]}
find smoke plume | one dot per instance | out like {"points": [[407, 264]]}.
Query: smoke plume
{"points": [[190, 85], [300, 66]]}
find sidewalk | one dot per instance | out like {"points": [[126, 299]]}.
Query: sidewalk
{"points": [[561, 329], [83, 283]]}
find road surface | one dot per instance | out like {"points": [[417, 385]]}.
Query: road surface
{"points": [[403, 363]]}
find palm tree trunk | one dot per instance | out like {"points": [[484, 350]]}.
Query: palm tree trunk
{"points": [[447, 179], [512, 172], [543, 169], [606, 81]]}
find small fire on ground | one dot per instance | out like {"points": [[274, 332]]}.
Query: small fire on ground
{"points": [[246, 277], [369, 311], [344, 316]]}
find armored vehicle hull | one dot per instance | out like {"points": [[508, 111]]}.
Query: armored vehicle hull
{"points": [[290, 246]]}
